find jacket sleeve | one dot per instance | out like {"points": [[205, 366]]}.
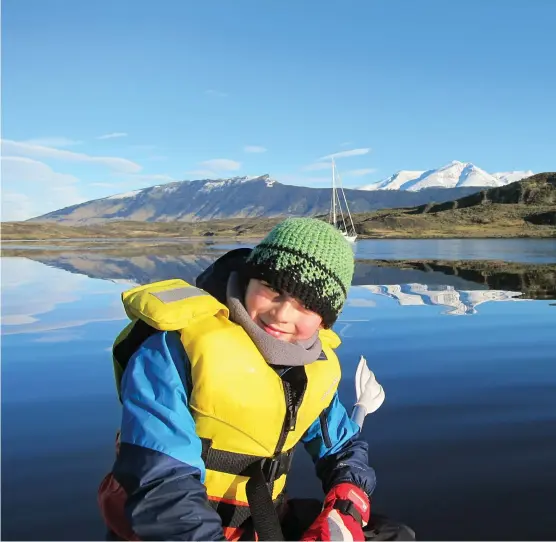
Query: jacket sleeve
{"points": [[338, 452], [159, 464]]}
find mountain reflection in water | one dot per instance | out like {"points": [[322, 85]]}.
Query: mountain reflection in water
{"points": [[458, 302], [454, 284]]}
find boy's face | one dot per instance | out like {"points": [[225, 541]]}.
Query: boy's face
{"points": [[280, 315]]}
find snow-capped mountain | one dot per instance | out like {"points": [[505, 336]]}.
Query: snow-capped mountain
{"points": [[507, 177], [453, 175], [394, 182], [237, 197]]}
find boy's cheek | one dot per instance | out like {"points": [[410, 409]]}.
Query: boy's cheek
{"points": [[306, 330]]}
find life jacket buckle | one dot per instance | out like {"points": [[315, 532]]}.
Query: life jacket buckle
{"points": [[270, 467]]}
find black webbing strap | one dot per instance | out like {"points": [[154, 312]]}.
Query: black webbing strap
{"points": [[345, 506], [245, 465], [265, 519], [236, 515], [262, 472]]}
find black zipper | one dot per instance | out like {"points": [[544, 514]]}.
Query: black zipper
{"points": [[289, 418], [294, 385], [324, 426]]}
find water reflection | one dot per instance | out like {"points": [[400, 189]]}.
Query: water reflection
{"points": [[511, 250], [457, 302], [147, 264], [537, 281], [40, 300], [467, 423]]}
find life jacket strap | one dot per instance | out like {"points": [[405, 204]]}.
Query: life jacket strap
{"points": [[263, 511], [246, 465], [262, 472]]}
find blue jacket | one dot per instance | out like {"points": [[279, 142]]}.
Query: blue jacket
{"points": [[159, 464]]}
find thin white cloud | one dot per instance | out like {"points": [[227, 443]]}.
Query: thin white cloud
{"points": [[26, 170], [345, 154], [345, 143], [16, 206], [20, 148], [32, 188], [112, 135], [318, 166], [215, 93], [17, 319], [221, 164], [53, 142], [254, 149], [359, 172]]}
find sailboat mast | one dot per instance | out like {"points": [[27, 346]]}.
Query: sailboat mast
{"points": [[333, 193], [347, 206]]}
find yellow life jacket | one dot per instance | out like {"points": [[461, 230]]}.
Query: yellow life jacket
{"points": [[241, 406]]}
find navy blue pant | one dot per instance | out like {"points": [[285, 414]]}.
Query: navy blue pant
{"points": [[301, 513]]}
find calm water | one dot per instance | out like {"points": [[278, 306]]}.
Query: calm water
{"points": [[463, 446], [512, 250]]}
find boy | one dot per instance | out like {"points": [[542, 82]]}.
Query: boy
{"points": [[219, 383]]}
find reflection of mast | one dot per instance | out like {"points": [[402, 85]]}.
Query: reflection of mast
{"points": [[457, 301]]}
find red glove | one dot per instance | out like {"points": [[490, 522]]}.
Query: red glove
{"points": [[345, 512]]}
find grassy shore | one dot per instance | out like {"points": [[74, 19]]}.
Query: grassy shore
{"points": [[492, 221]]}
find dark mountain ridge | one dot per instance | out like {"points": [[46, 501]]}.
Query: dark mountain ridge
{"points": [[239, 197]]}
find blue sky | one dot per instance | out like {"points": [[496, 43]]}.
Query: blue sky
{"points": [[106, 96]]}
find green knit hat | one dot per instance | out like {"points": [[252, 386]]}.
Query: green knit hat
{"points": [[310, 260]]}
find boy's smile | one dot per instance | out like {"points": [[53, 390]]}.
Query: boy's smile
{"points": [[270, 329], [279, 314]]}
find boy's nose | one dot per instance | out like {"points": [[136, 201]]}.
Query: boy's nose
{"points": [[284, 311]]}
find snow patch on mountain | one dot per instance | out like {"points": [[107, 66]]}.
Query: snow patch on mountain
{"points": [[125, 195], [508, 177], [210, 186], [453, 175], [219, 184], [167, 188], [394, 182]]}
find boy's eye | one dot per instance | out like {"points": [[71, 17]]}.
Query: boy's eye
{"points": [[301, 305], [269, 287], [274, 290]]}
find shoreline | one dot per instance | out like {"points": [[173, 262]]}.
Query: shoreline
{"points": [[544, 233]]}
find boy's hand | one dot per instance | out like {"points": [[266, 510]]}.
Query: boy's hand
{"points": [[345, 512]]}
